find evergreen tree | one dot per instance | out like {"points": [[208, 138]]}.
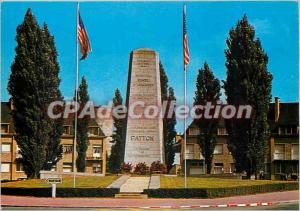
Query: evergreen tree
{"points": [[248, 82], [118, 147], [169, 132], [33, 85], [82, 127], [50, 83], [207, 90], [163, 82]]}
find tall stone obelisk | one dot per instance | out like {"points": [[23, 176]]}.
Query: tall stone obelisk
{"points": [[144, 136]]}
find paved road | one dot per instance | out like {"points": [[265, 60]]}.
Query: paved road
{"points": [[279, 206], [135, 203]]}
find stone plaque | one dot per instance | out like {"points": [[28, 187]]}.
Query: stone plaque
{"points": [[144, 136]]}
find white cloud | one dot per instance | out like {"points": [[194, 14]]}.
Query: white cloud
{"points": [[261, 26]]}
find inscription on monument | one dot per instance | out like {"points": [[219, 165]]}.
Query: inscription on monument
{"points": [[144, 137]]}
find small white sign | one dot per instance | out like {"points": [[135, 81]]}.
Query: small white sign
{"points": [[54, 180]]}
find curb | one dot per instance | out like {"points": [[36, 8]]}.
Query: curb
{"points": [[211, 206]]}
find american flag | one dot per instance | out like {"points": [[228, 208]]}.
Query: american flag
{"points": [[186, 52], [83, 39]]}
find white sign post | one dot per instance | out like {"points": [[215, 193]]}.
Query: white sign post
{"points": [[53, 182]]}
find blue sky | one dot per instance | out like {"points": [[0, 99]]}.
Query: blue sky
{"points": [[115, 29]]}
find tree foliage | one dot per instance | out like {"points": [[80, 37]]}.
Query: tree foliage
{"points": [[169, 132], [82, 127], [207, 90], [33, 85], [118, 148], [248, 82]]}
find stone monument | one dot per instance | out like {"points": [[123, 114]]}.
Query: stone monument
{"points": [[144, 136]]}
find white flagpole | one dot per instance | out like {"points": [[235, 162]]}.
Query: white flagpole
{"points": [[184, 99], [76, 85]]}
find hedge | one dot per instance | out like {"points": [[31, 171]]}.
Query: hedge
{"points": [[61, 192], [219, 192]]}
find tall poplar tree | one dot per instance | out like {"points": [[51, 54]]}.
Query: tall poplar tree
{"points": [[207, 90], [118, 147], [248, 82], [50, 87], [82, 127], [33, 85], [169, 132]]}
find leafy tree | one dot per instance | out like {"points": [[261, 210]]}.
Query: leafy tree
{"points": [[33, 85], [248, 82], [207, 90], [169, 132], [117, 151], [82, 127]]}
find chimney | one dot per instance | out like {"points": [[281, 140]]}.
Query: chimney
{"points": [[277, 108], [11, 104]]}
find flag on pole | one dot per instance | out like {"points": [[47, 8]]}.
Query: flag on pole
{"points": [[186, 52], [83, 39]]}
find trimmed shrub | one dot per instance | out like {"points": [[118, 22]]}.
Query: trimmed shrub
{"points": [[141, 168], [61, 192], [219, 192], [37, 192], [87, 192], [157, 166], [126, 167]]}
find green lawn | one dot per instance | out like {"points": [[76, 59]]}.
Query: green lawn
{"points": [[193, 182], [67, 182]]}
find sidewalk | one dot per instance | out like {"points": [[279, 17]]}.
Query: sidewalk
{"points": [[135, 185], [266, 198]]}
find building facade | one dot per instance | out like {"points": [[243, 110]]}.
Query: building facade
{"points": [[283, 150], [12, 168]]}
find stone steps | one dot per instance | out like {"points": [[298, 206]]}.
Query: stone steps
{"points": [[131, 196]]}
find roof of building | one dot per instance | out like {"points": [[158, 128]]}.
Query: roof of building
{"points": [[5, 113], [288, 116], [6, 117]]}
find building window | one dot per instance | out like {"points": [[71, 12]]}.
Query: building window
{"points": [[289, 130], [295, 152], [96, 168], [18, 152], [19, 167], [294, 130], [190, 151], [53, 168], [94, 131], [68, 149], [6, 147], [5, 167], [4, 128], [218, 149], [279, 152], [222, 131], [67, 130], [194, 131], [97, 151], [18, 149], [218, 168], [281, 131], [67, 167], [232, 168]]}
